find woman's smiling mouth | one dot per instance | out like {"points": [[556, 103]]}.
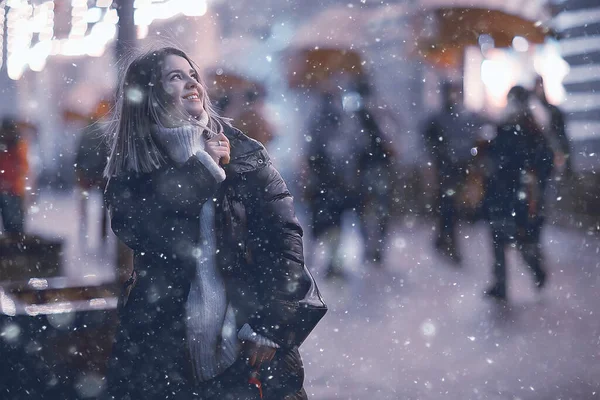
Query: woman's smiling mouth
{"points": [[192, 97]]}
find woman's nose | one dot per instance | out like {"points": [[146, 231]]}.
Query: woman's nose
{"points": [[191, 82]]}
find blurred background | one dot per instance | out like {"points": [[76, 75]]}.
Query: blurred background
{"points": [[414, 326]]}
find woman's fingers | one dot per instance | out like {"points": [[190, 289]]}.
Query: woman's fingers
{"points": [[225, 159], [220, 140], [218, 148], [224, 141]]}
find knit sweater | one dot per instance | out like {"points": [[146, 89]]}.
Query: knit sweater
{"points": [[211, 327], [214, 343]]}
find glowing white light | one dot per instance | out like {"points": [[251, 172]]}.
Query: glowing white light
{"points": [[10, 332], [46, 35], [351, 101], [72, 47], [24, 20], [19, 38], [195, 9], [498, 74], [400, 243], [38, 283], [553, 69], [7, 305], [520, 44], [428, 329], [142, 31], [134, 95], [146, 11], [38, 55], [15, 68], [111, 16], [93, 15], [42, 17], [98, 303], [15, 4], [56, 47], [48, 309], [100, 35]]}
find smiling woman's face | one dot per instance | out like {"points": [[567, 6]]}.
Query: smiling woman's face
{"points": [[182, 83]]}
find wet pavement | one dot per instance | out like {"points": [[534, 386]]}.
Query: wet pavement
{"points": [[418, 327]]}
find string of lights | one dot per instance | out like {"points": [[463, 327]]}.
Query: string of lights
{"points": [[31, 36]]}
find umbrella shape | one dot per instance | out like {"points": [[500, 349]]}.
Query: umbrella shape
{"points": [[334, 41], [443, 33], [309, 68], [344, 39]]}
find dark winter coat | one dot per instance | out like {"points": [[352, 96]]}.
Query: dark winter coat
{"points": [[340, 159], [450, 135], [260, 254], [520, 164]]}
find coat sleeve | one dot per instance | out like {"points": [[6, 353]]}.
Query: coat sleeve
{"points": [[142, 207], [275, 242]]}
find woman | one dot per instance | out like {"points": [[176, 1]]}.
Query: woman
{"points": [[521, 164], [219, 296]]}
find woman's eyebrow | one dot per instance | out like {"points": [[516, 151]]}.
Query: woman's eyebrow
{"points": [[174, 71]]}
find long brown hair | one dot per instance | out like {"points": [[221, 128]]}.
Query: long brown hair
{"points": [[141, 103]]}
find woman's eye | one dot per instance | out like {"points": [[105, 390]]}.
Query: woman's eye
{"points": [[175, 76]]}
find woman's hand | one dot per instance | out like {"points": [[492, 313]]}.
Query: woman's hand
{"points": [[257, 354], [218, 148]]}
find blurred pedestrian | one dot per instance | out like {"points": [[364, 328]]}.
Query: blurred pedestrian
{"points": [[90, 162], [14, 168], [349, 170], [220, 296], [554, 127], [450, 137], [520, 162]]}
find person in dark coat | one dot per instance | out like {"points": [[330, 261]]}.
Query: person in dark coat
{"points": [[520, 162], [349, 163], [220, 299], [450, 136]]}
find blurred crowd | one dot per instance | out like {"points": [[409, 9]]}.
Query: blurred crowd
{"points": [[493, 169], [502, 178]]}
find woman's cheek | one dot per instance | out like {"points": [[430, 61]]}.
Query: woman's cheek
{"points": [[169, 89]]}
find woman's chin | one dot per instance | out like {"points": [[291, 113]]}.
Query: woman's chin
{"points": [[195, 112]]}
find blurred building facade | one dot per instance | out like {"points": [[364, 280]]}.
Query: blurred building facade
{"points": [[578, 22], [71, 65]]}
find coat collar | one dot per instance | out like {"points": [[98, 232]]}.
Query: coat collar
{"points": [[246, 154]]}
